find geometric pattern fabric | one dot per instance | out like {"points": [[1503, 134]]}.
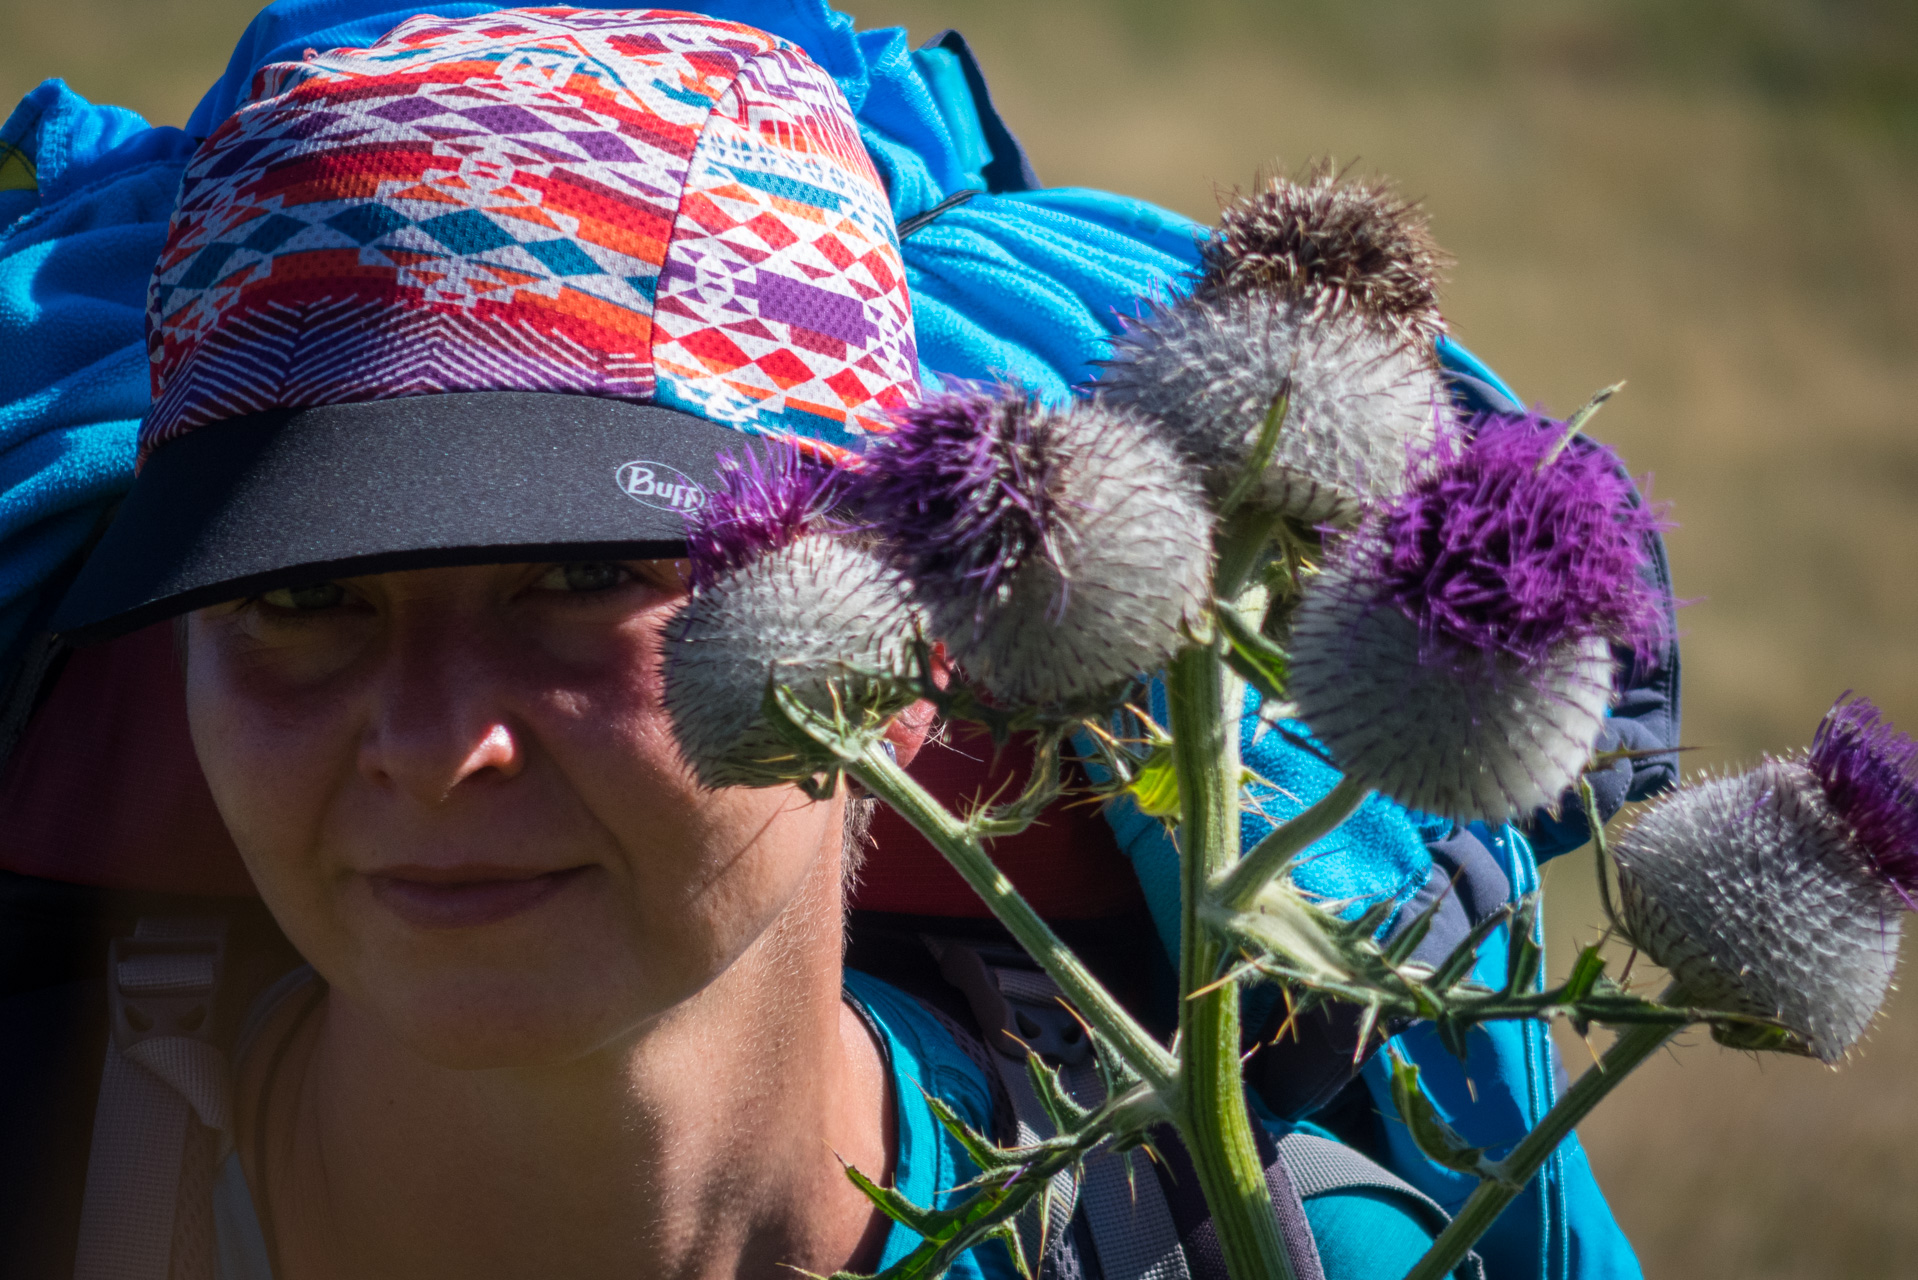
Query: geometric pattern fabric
{"points": [[642, 205]]}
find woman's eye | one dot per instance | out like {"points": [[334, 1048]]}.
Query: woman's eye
{"points": [[321, 595], [589, 575]]}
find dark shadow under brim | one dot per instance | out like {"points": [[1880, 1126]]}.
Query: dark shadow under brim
{"points": [[289, 496]]}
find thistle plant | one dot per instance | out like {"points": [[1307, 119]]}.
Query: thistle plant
{"points": [[1323, 293], [1448, 633], [1779, 891], [1341, 247]]}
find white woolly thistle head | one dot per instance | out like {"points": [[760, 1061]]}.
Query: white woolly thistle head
{"points": [[828, 620], [1058, 552], [1458, 732], [1210, 369], [1754, 893]]}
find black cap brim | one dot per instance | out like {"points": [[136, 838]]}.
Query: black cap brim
{"points": [[270, 499]]}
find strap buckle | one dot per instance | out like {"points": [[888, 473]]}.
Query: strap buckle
{"points": [[1018, 1008], [162, 980]]}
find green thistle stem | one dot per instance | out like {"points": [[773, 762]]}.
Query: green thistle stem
{"points": [[1236, 887], [1210, 1111], [877, 772], [1633, 1046]]}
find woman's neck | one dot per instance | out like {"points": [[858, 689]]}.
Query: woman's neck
{"points": [[707, 1145]]}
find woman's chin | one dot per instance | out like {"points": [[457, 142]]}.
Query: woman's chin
{"points": [[478, 1020]]}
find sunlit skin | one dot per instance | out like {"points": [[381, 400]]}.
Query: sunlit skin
{"points": [[582, 1018]]}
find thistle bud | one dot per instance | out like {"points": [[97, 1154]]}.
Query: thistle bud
{"points": [[1339, 247], [1211, 369], [1456, 653], [1778, 892], [782, 594], [1058, 553]]}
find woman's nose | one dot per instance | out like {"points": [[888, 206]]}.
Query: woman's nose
{"points": [[439, 722]]}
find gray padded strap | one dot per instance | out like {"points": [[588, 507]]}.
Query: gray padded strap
{"points": [[163, 1119], [1319, 1165], [1125, 1209], [1032, 1124]]}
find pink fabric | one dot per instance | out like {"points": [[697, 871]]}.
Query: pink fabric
{"points": [[105, 789]]}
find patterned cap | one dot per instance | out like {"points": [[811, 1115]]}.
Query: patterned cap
{"points": [[496, 286]]}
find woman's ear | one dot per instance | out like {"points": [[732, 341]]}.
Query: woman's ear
{"points": [[910, 729]]}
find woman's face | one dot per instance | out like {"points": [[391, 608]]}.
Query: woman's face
{"points": [[458, 791]]}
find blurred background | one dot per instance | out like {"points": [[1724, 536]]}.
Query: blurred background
{"points": [[1716, 200]]}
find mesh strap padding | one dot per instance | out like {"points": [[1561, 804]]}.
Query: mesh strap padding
{"points": [[161, 1126], [1131, 1227]]}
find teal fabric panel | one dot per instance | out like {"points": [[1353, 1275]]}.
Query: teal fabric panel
{"points": [[74, 257], [925, 1060], [1365, 1235]]}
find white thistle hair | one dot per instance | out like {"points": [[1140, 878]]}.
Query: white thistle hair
{"points": [[826, 619], [1360, 403], [1125, 567], [1471, 737]]}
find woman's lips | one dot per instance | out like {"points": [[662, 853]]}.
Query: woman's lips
{"points": [[463, 899]]}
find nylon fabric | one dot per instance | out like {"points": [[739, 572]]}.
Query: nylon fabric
{"points": [[133, 1176], [196, 1071], [924, 1059], [1132, 1230]]}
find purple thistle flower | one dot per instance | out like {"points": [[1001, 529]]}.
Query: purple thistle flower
{"points": [[1456, 652], [1753, 893], [1490, 551], [760, 506], [1057, 552], [964, 487], [1870, 773]]}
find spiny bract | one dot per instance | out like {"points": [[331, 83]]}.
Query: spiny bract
{"points": [[826, 619], [1466, 734], [1058, 552], [1210, 370], [1335, 245], [1752, 893]]}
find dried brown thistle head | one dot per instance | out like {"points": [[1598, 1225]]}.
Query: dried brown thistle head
{"points": [[1340, 246]]}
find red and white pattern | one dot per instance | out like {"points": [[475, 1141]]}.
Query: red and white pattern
{"points": [[644, 205]]}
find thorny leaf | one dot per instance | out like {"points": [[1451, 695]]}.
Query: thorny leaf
{"points": [[1400, 949], [1437, 1139], [1585, 974], [1255, 659], [1155, 787]]}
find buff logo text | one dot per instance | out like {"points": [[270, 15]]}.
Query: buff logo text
{"points": [[654, 484]]}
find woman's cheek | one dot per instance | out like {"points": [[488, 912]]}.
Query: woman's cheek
{"points": [[271, 763]]}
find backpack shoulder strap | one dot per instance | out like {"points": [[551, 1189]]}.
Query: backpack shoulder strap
{"points": [[164, 1119], [1136, 1231]]}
